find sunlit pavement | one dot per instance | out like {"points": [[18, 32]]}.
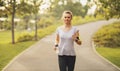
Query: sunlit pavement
{"points": [[42, 57]]}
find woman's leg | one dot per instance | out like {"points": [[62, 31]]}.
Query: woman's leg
{"points": [[71, 63], [62, 63]]}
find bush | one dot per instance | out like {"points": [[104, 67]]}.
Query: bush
{"points": [[45, 22], [46, 31], [25, 37], [108, 36], [77, 20]]}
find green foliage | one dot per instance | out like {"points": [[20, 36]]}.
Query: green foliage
{"points": [[77, 20], [20, 26], [25, 8], [5, 25], [46, 31], [112, 54], [1, 3], [109, 8], [108, 36], [45, 22], [25, 37], [22, 8], [75, 6]]}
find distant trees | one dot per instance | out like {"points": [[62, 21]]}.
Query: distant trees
{"points": [[20, 8], [29, 8], [58, 6], [108, 8]]}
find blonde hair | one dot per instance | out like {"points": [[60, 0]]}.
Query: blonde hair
{"points": [[67, 12]]}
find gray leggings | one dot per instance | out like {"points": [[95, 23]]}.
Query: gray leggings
{"points": [[66, 63]]}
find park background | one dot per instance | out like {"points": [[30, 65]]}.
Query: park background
{"points": [[24, 22]]}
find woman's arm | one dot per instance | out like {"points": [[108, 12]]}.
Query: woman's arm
{"points": [[56, 41], [76, 38]]}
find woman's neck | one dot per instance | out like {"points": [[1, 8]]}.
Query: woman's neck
{"points": [[67, 25]]}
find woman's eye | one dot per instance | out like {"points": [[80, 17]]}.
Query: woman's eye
{"points": [[66, 17]]}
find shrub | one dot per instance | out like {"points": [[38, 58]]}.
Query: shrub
{"points": [[25, 37], [108, 36]]}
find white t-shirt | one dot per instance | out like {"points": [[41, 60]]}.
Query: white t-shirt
{"points": [[66, 43]]}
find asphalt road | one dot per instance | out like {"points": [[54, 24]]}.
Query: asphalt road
{"points": [[42, 57]]}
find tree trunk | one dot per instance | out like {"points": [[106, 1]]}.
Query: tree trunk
{"points": [[13, 15], [36, 31]]}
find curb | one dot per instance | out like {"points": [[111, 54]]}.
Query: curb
{"points": [[93, 46]]}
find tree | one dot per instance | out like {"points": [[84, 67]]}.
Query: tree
{"points": [[108, 8], [22, 8], [36, 4], [58, 6], [9, 9], [13, 15]]}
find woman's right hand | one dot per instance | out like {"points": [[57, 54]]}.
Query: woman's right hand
{"points": [[56, 50]]}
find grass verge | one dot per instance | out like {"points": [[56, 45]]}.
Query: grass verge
{"points": [[112, 54], [9, 51], [107, 41]]}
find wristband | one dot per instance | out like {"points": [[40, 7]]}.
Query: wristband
{"points": [[56, 45], [77, 38]]}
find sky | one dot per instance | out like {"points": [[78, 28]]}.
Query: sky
{"points": [[83, 2]]}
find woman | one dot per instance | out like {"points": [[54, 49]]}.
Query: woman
{"points": [[64, 43]]}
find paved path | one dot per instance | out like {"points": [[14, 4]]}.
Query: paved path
{"points": [[41, 57]]}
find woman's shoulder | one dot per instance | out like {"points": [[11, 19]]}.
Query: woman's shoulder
{"points": [[74, 27], [60, 27]]}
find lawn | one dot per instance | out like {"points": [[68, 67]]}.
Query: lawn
{"points": [[5, 37], [9, 51], [112, 54], [108, 43]]}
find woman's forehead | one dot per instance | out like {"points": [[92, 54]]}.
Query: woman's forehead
{"points": [[66, 14]]}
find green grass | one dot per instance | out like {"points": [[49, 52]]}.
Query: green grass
{"points": [[112, 54], [107, 41], [9, 51], [5, 37]]}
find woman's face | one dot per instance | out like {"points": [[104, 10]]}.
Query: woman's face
{"points": [[67, 18]]}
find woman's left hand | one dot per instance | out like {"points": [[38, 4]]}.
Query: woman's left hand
{"points": [[75, 35]]}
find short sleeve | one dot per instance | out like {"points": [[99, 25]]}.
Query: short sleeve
{"points": [[75, 30], [57, 30]]}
